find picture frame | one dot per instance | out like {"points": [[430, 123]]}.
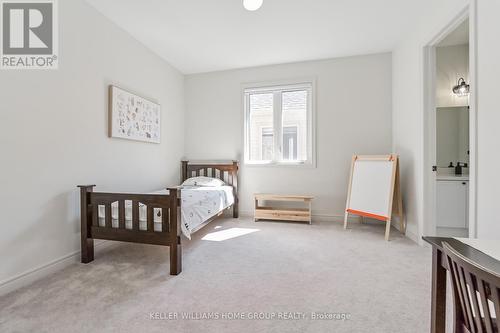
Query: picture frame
{"points": [[133, 117]]}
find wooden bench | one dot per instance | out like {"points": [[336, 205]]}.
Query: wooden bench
{"points": [[283, 213]]}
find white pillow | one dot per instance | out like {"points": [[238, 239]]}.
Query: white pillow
{"points": [[203, 181]]}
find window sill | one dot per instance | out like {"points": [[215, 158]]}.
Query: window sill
{"points": [[304, 165]]}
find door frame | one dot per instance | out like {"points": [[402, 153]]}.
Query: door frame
{"points": [[429, 131]]}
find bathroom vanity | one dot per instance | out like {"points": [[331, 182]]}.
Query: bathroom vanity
{"points": [[452, 192]]}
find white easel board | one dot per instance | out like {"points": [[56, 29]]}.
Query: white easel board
{"points": [[374, 188]]}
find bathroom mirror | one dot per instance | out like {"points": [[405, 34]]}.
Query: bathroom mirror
{"points": [[452, 135]]}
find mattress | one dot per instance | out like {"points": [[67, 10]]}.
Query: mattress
{"points": [[198, 204]]}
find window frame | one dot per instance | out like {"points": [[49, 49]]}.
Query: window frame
{"points": [[277, 88]]}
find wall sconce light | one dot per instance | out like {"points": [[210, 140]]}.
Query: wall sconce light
{"points": [[462, 88]]}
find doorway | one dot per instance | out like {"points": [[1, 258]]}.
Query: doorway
{"points": [[449, 188]]}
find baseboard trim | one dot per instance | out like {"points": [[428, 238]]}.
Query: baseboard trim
{"points": [[42, 271], [413, 237]]}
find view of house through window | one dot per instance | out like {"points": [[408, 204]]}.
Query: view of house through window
{"points": [[267, 150], [290, 143], [278, 126], [261, 126]]}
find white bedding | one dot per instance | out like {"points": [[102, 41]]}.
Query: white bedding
{"points": [[198, 204]]}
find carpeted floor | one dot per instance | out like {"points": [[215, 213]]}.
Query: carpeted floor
{"points": [[285, 275]]}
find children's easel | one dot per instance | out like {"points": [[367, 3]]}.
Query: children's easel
{"points": [[374, 190]]}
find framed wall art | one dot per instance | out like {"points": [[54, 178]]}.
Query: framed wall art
{"points": [[133, 117]]}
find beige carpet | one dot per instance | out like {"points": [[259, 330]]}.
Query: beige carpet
{"points": [[288, 271]]}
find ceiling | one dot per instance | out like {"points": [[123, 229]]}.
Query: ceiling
{"points": [[210, 35], [459, 36]]}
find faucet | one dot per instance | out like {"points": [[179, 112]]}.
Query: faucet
{"points": [[458, 168]]}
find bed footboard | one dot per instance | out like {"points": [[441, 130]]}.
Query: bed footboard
{"points": [[118, 231]]}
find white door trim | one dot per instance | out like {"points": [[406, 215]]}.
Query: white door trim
{"points": [[429, 131], [473, 98]]}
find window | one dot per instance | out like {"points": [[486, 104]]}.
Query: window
{"points": [[278, 124]]}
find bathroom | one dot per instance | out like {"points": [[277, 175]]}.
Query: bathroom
{"points": [[452, 134]]}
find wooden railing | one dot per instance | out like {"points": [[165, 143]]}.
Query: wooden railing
{"points": [[151, 201], [91, 228]]}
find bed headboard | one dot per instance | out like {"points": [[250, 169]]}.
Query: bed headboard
{"points": [[227, 172]]}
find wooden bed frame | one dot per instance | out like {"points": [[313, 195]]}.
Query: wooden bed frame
{"points": [[169, 203]]}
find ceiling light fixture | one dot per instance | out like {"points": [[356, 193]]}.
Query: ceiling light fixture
{"points": [[252, 5], [462, 88]]}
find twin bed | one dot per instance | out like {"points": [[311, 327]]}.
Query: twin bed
{"points": [[159, 217]]}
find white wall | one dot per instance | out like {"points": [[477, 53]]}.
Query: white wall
{"points": [[488, 115], [452, 63], [53, 136], [353, 116], [408, 114], [408, 125]]}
